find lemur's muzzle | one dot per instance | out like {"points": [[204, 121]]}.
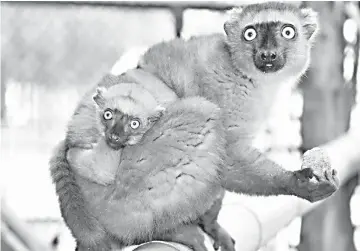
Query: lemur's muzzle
{"points": [[269, 60], [116, 141]]}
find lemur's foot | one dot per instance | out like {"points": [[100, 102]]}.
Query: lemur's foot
{"points": [[316, 180], [225, 242], [222, 239], [188, 235]]}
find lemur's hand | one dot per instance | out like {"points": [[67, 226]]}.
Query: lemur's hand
{"points": [[189, 235], [316, 180], [92, 165]]}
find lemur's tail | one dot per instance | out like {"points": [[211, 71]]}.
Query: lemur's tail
{"points": [[84, 226]]}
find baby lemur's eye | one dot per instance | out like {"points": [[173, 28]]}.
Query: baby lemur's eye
{"points": [[288, 32], [108, 114], [249, 34], [135, 123]]}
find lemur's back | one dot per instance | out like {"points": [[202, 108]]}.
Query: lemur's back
{"points": [[178, 62], [202, 66]]}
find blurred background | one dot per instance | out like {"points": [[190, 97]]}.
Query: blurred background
{"points": [[51, 52]]}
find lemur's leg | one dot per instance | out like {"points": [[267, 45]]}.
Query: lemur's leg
{"points": [[251, 172], [188, 235], [208, 222]]}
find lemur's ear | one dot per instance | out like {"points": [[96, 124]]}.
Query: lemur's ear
{"points": [[309, 22], [159, 111], [98, 97], [233, 16]]}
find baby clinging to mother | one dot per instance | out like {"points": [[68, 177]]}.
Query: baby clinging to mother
{"points": [[216, 92]]}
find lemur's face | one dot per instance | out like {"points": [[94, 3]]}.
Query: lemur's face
{"points": [[123, 129], [274, 37], [125, 118], [269, 44]]}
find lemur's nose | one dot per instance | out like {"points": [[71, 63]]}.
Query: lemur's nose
{"points": [[269, 60], [268, 56]]}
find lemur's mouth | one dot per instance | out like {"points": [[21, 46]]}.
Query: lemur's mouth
{"points": [[115, 142], [269, 67], [115, 146]]}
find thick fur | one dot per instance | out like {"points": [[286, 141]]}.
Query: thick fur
{"points": [[181, 156], [98, 161], [170, 178], [74, 208], [222, 69], [84, 129], [167, 179], [182, 152]]}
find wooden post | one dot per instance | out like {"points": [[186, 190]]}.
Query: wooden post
{"points": [[178, 13], [326, 115]]}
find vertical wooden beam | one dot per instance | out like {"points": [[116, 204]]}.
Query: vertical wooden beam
{"points": [[178, 13], [326, 115]]}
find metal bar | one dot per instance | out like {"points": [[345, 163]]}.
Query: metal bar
{"points": [[214, 5]]}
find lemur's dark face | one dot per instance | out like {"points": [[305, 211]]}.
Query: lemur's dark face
{"points": [[122, 129], [271, 38], [125, 116], [270, 44]]}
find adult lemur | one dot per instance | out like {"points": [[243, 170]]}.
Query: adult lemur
{"points": [[266, 46]]}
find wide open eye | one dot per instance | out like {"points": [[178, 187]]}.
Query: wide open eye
{"points": [[250, 34], [135, 123], [108, 114], [288, 32]]}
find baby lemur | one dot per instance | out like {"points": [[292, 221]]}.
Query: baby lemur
{"points": [[171, 179], [122, 115], [98, 187]]}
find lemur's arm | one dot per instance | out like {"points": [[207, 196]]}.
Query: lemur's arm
{"points": [[265, 177], [74, 209], [97, 164]]}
